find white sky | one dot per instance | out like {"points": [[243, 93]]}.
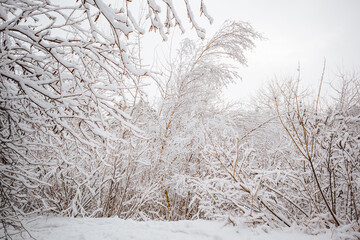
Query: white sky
{"points": [[304, 32]]}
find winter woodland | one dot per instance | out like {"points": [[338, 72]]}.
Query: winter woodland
{"points": [[80, 139]]}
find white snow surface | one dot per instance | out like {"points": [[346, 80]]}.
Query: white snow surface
{"points": [[57, 228]]}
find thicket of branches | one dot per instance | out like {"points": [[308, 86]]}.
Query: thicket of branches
{"points": [[78, 137]]}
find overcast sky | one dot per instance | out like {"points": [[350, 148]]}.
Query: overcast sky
{"points": [[304, 32]]}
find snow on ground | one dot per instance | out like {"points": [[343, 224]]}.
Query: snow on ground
{"points": [[56, 228]]}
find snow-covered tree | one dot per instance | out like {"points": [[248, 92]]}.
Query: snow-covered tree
{"points": [[189, 110], [78, 137], [66, 79]]}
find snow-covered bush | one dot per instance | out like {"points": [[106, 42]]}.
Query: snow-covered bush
{"points": [[320, 166]]}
